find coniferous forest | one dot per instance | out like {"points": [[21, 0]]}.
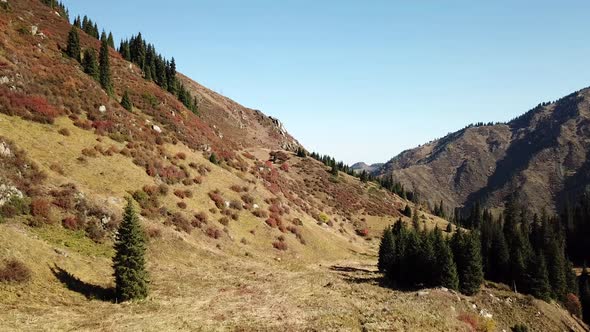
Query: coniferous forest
{"points": [[531, 254]]}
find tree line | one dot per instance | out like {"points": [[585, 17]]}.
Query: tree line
{"points": [[59, 7], [156, 68], [531, 253], [414, 257]]}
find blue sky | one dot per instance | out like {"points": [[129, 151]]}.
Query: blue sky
{"points": [[367, 80]]}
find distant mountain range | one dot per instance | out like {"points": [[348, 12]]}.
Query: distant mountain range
{"points": [[543, 156], [359, 167]]}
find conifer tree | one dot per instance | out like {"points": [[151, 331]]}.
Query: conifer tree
{"points": [[78, 22], [386, 251], [538, 280], [449, 228], [111, 40], [571, 278], [90, 64], [445, 267], [334, 170], [471, 272], [105, 70], [131, 277], [499, 259], [126, 102], [73, 48], [584, 285], [408, 211]]}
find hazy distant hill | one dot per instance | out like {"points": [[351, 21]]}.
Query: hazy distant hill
{"points": [[361, 166]]}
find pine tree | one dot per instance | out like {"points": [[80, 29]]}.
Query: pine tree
{"points": [[386, 251], [126, 102], [471, 272], [131, 277], [538, 280], [584, 285], [111, 40], [90, 64], [73, 48], [445, 267], [334, 170], [499, 259], [213, 159], [571, 278], [105, 70], [408, 211]]}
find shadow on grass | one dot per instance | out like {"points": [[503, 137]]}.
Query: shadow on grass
{"points": [[90, 291], [358, 275]]}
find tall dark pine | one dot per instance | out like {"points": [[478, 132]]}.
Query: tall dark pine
{"points": [[73, 48], [90, 64], [584, 284], [471, 271], [111, 40], [105, 70], [538, 279], [386, 250], [131, 277], [445, 267]]}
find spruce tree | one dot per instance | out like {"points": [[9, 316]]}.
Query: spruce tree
{"points": [[90, 64], [131, 277], [105, 70], [73, 48], [445, 267], [571, 278], [471, 272], [415, 220], [334, 170], [111, 40], [538, 280], [126, 102], [386, 251], [584, 285]]}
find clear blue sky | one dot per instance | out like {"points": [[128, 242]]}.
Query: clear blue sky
{"points": [[366, 80]]}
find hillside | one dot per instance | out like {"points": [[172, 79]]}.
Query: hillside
{"points": [[243, 234], [542, 155], [361, 166]]}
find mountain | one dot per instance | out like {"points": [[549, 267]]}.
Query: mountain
{"points": [[542, 156], [361, 166], [244, 232]]}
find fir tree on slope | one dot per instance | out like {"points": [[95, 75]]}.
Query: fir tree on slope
{"points": [[386, 250], [90, 64], [73, 48], [105, 70], [126, 102], [446, 269], [131, 277]]}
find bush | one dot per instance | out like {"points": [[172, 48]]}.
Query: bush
{"points": [[247, 199], [181, 205], [15, 271], [213, 232], [573, 305], [41, 208], [14, 207], [71, 223], [64, 131], [181, 223], [224, 221], [181, 156], [519, 328], [154, 232], [280, 245], [236, 205], [217, 199], [260, 213]]}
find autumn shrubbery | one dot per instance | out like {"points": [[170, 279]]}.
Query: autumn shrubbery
{"points": [[15, 271], [30, 107]]}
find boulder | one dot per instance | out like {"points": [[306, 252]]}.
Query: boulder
{"points": [[7, 192], [5, 150], [4, 80], [157, 129], [34, 29], [102, 108]]}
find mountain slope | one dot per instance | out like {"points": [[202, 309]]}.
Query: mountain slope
{"points": [[542, 155], [248, 243]]}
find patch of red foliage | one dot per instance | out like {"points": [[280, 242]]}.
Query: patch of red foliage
{"points": [[30, 107]]}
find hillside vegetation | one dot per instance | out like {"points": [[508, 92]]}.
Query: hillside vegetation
{"points": [[244, 232]]}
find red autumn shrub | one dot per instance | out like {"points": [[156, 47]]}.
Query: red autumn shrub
{"points": [[285, 167], [271, 222], [180, 193], [573, 305], [217, 199], [181, 205], [247, 199], [260, 213], [41, 208], [213, 232], [280, 245], [362, 232], [470, 320], [71, 223], [236, 188], [181, 156]]}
